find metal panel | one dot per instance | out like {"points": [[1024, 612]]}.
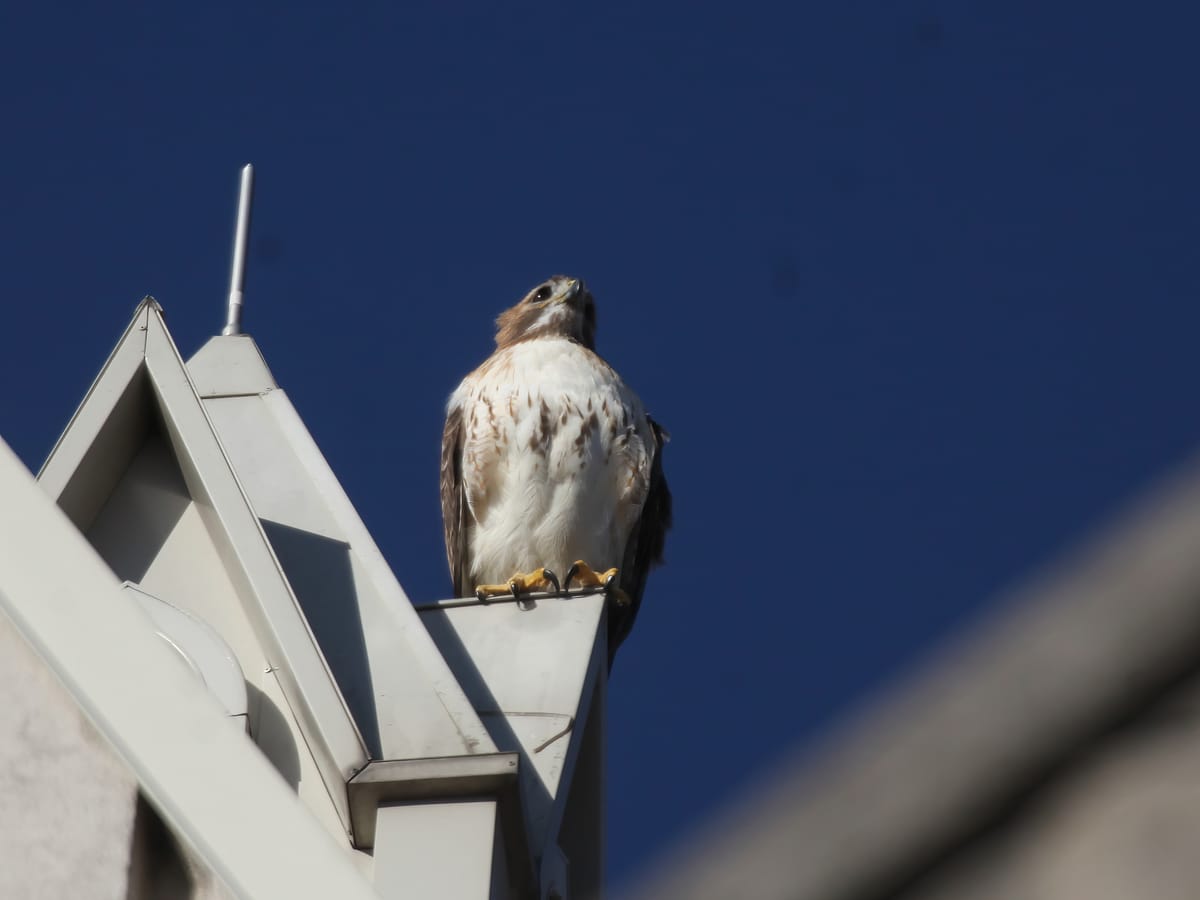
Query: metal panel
{"points": [[208, 781], [230, 366], [439, 850], [403, 695]]}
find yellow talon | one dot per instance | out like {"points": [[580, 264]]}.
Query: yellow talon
{"points": [[589, 577], [519, 583]]}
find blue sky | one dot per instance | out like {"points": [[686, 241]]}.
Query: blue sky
{"points": [[912, 284]]}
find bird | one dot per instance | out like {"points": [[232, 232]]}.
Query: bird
{"points": [[550, 464]]}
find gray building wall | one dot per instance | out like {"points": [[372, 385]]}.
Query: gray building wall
{"points": [[71, 820]]}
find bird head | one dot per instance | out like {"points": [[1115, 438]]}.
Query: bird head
{"points": [[558, 307]]}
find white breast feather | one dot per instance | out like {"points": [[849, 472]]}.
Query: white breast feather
{"points": [[556, 460]]}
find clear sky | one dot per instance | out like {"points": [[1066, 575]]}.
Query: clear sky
{"points": [[912, 284]]}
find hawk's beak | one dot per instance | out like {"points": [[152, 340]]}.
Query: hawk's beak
{"points": [[572, 290]]}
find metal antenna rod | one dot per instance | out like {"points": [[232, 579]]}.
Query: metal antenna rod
{"points": [[237, 274]]}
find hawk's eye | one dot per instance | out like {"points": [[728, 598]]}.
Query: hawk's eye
{"points": [[543, 293]]}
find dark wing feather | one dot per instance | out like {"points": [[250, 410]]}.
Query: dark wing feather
{"points": [[645, 547], [454, 502]]}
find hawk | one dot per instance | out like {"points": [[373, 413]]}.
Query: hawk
{"points": [[550, 464]]}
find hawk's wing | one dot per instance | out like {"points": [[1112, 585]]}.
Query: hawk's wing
{"points": [[645, 546], [454, 502]]}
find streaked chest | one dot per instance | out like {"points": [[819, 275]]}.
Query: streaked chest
{"points": [[543, 413]]}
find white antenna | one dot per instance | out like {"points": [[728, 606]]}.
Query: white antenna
{"points": [[237, 274]]}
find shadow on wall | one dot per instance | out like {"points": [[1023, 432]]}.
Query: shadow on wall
{"points": [[476, 688], [269, 729], [145, 506], [319, 571]]}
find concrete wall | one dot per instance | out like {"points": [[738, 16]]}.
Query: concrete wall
{"points": [[71, 820], [67, 805]]}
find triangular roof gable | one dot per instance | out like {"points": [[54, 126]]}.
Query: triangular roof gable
{"points": [[142, 403], [402, 693]]}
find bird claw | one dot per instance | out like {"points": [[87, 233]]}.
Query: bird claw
{"points": [[518, 584], [590, 578], [572, 572]]}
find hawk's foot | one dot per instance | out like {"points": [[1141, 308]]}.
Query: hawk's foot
{"points": [[519, 583], [589, 577]]}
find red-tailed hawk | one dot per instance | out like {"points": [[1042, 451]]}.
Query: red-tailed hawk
{"points": [[550, 464]]}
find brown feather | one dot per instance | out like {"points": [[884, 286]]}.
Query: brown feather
{"points": [[454, 503], [520, 322], [645, 547]]}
